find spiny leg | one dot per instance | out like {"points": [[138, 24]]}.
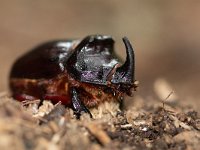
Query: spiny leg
{"points": [[78, 106]]}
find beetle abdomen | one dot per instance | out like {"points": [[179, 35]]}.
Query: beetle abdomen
{"points": [[45, 61]]}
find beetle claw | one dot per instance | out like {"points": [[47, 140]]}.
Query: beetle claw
{"points": [[78, 106]]}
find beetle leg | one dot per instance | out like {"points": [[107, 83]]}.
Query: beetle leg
{"points": [[23, 97], [78, 106]]}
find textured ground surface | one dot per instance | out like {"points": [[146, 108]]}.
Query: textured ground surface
{"points": [[141, 125]]}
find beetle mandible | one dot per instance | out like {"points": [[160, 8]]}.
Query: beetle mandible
{"points": [[79, 73]]}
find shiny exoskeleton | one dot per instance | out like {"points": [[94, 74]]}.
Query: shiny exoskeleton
{"points": [[79, 73]]}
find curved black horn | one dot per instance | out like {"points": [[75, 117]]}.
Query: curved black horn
{"points": [[125, 73]]}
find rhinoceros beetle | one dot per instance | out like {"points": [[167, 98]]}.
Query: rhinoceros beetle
{"points": [[79, 73]]}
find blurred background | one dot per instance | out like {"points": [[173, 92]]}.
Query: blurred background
{"points": [[164, 34]]}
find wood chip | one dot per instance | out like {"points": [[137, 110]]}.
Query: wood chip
{"points": [[100, 134]]}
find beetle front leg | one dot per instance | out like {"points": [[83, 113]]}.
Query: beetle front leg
{"points": [[78, 106]]}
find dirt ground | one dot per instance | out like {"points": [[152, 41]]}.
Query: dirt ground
{"points": [[164, 112], [140, 125]]}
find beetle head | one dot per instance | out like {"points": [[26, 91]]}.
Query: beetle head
{"points": [[93, 62]]}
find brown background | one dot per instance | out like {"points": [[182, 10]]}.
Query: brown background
{"points": [[165, 35]]}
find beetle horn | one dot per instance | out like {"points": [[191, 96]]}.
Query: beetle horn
{"points": [[125, 73]]}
